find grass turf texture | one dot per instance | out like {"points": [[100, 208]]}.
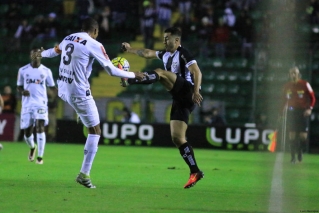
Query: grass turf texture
{"points": [[147, 179]]}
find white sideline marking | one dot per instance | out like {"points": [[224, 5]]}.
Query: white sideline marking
{"points": [[275, 201]]}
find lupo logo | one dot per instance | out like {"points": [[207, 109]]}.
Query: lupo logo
{"points": [[127, 133], [237, 135]]}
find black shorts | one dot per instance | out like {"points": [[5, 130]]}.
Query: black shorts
{"points": [[296, 121], [183, 104]]}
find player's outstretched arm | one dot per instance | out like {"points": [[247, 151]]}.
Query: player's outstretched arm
{"points": [[145, 53], [114, 71], [50, 53]]}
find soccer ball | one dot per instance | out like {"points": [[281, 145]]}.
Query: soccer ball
{"points": [[121, 63], [1, 147]]}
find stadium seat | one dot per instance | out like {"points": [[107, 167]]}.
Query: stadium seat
{"points": [[3, 32], [260, 76], [229, 64], [256, 14], [315, 65], [233, 89], [246, 89], [306, 29], [237, 116], [221, 76], [232, 76], [220, 88], [26, 9], [246, 76], [209, 76], [232, 114], [216, 62], [240, 63], [207, 89], [3, 9]]}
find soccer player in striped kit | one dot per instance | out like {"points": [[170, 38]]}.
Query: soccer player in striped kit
{"points": [[299, 100], [182, 79]]}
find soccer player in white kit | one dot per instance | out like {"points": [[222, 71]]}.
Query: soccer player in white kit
{"points": [[78, 52], [32, 83]]}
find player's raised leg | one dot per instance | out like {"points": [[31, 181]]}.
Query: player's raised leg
{"points": [[167, 79]]}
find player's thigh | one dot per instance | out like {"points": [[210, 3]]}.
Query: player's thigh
{"points": [[167, 79], [86, 109], [26, 118], [41, 113], [303, 136]]}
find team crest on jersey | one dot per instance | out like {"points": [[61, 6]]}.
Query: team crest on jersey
{"points": [[42, 76], [174, 65], [27, 75]]}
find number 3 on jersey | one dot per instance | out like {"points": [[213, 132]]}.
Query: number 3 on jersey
{"points": [[69, 50]]}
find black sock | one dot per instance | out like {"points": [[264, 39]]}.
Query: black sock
{"points": [[300, 144], [292, 148], [151, 77], [187, 153]]}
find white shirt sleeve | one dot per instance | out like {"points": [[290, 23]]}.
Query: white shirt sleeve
{"points": [[20, 79], [114, 71], [53, 52], [50, 80], [98, 52], [49, 53]]}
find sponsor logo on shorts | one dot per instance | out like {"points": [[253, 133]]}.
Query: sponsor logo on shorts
{"points": [[42, 111]]}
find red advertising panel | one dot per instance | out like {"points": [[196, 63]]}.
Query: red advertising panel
{"points": [[7, 126]]}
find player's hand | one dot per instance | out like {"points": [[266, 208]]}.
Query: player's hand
{"points": [[139, 75], [125, 46], [25, 93], [307, 112], [197, 98]]}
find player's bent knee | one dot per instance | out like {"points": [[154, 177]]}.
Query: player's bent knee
{"points": [[96, 130], [178, 141]]}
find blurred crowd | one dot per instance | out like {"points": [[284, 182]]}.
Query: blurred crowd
{"points": [[220, 28]]}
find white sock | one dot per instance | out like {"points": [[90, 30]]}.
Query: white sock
{"points": [[41, 143], [29, 141], [90, 150]]}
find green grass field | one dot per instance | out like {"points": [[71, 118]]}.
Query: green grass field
{"points": [[138, 179]]}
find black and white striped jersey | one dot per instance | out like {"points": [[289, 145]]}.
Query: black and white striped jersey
{"points": [[181, 59]]}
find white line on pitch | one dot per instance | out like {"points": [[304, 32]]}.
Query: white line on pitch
{"points": [[275, 201]]}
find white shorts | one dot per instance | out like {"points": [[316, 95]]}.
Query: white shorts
{"points": [[30, 114], [86, 108]]}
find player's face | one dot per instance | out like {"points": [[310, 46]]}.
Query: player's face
{"points": [[170, 42], [37, 59], [294, 74]]}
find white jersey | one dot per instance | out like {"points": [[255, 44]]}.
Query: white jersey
{"points": [[78, 52], [35, 81]]}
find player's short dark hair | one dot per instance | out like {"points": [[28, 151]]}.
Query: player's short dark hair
{"points": [[174, 31], [89, 24]]}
